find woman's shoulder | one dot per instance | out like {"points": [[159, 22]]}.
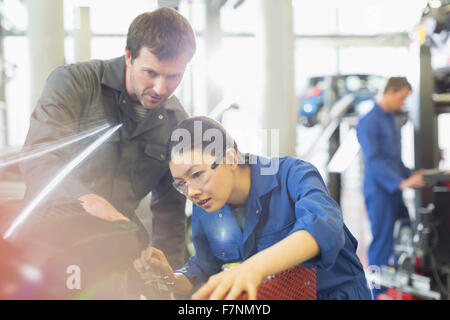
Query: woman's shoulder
{"points": [[295, 173], [289, 165], [283, 170], [279, 166], [278, 162]]}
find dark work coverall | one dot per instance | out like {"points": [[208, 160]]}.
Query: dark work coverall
{"points": [[129, 165], [380, 139]]}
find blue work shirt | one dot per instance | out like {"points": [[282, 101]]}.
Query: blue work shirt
{"points": [[380, 140], [292, 198]]}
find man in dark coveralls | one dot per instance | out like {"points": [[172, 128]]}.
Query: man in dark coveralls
{"points": [[135, 90]]}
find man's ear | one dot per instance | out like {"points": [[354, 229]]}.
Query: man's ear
{"points": [[127, 56], [390, 91]]}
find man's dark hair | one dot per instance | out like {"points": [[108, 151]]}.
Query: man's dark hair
{"points": [[397, 84], [164, 31]]}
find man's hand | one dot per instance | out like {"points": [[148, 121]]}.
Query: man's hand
{"points": [[230, 284], [414, 181], [100, 207]]}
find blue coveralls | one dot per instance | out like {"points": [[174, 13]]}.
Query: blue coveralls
{"points": [[292, 198], [379, 137]]}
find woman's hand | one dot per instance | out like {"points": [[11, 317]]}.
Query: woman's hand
{"points": [[154, 261], [231, 283]]}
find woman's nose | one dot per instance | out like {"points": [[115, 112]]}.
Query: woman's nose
{"points": [[193, 192]]}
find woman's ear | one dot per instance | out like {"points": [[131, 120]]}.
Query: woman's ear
{"points": [[231, 157]]}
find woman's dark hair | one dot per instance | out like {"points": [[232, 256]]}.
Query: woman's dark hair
{"points": [[165, 32], [203, 133]]}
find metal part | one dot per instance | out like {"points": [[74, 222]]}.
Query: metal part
{"points": [[413, 284]]}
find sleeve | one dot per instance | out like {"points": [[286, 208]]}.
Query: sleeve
{"points": [[406, 171], [316, 212], [202, 264], [194, 272], [56, 116], [383, 173], [169, 221]]}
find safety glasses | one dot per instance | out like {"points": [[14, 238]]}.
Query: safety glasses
{"points": [[197, 179]]}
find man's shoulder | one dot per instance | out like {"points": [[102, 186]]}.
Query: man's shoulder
{"points": [[370, 114], [77, 76], [88, 75], [370, 118], [75, 84], [91, 68]]}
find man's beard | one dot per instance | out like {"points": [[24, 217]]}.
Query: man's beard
{"points": [[152, 105]]}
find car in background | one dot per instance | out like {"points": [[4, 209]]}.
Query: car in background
{"points": [[323, 91]]}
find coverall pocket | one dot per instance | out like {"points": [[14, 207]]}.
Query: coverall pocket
{"points": [[156, 151], [226, 251], [149, 169]]}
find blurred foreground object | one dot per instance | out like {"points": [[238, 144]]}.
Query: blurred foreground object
{"points": [[18, 278], [63, 252]]}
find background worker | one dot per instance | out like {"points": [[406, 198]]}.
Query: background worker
{"points": [[385, 173]]}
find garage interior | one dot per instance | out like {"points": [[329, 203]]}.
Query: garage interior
{"points": [[303, 71]]}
